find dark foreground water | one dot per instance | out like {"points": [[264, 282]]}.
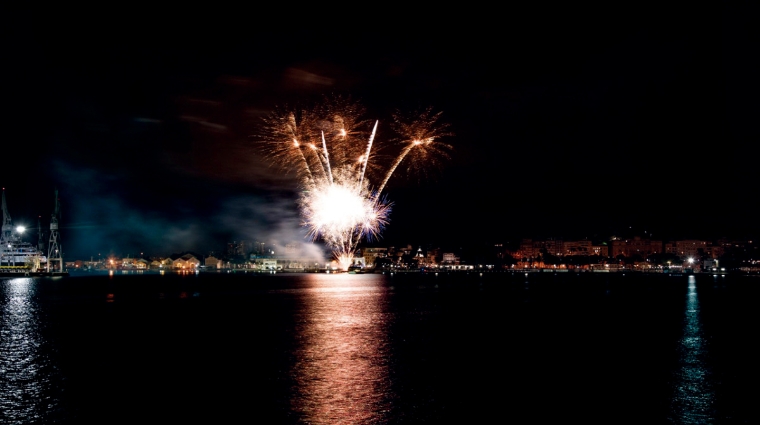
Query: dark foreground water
{"points": [[378, 349]]}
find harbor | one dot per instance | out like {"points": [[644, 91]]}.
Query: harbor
{"points": [[388, 348], [21, 258]]}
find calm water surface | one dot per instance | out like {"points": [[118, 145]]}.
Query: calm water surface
{"points": [[378, 349]]}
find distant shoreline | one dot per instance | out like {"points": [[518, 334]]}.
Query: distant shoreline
{"points": [[544, 272]]}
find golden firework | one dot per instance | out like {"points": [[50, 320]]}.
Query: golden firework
{"points": [[331, 148]]}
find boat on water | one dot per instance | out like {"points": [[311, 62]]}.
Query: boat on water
{"points": [[356, 269], [18, 257], [17, 253]]}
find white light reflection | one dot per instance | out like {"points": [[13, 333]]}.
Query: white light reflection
{"points": [[341, 370], [24, 375], [693, 399]]}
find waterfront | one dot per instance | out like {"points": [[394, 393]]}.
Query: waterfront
{"points": [[321, 348]]}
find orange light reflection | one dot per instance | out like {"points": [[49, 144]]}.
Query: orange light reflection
{"points": [[341, 369]]}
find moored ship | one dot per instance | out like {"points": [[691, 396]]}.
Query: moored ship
{"points": [[16, 255], [20, 256]]}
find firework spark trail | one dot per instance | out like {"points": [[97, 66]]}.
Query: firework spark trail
{"points": [[318, 159], [293, 127], [393, 167], [365, 159], [327, 158], [339, 205], [310, 177]]}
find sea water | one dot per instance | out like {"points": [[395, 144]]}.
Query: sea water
{"points": [[378, 348]]}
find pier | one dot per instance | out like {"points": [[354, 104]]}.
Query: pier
{"points": [[19, 271]]}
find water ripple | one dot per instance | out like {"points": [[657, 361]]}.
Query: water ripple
{"points": [[693, 397], [341, 375], [25, 381]]}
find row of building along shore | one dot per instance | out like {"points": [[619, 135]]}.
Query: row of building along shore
{"points": [[637, 253]]}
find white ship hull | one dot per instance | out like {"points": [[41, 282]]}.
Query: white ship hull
{"points": [[21, 254]]}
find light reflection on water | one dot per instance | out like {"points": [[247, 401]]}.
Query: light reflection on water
{"points": [[694, 396], [25, 377], [340, 372], [359, 349]]}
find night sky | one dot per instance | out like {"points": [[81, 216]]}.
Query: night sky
{"points": [[573, 123]]}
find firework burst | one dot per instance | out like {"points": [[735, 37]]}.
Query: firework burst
{"points": [[331, 148]]}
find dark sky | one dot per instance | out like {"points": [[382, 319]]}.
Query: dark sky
{"points": [[568, 123]]}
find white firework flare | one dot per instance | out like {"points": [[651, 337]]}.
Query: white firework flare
{"points": [[338, 203]]}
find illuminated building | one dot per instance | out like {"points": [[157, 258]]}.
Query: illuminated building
{"points": [[372, 254], [635, 246]]}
